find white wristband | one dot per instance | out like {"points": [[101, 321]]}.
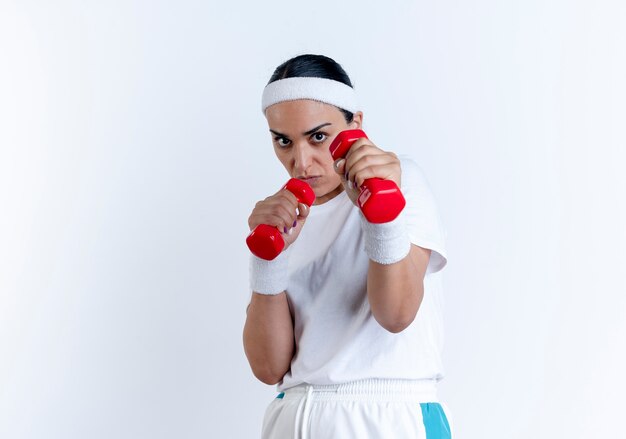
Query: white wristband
{"points": [[269, 277], [386, 243]]}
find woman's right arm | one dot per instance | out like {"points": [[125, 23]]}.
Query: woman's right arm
{"points": [[268, 337]]}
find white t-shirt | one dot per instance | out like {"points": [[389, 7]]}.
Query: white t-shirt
{"points": [[337, 338]]}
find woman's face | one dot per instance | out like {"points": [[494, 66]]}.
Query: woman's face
{"points": [[302, 131]]}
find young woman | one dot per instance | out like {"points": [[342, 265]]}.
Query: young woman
{"points": [[347, 320]]}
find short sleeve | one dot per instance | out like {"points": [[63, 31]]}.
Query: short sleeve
{"points": [[421, 214]]}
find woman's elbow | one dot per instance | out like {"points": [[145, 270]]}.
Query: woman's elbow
{"points": [[398, 321], [268, 376], [397, 325]]}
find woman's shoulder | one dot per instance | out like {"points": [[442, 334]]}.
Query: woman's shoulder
{"points": [[412, 173]]}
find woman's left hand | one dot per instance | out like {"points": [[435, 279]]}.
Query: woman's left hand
{"points": [[365, 160]]}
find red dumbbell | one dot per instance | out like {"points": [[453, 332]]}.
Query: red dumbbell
{"points": [[380, 200], [265, 241]]}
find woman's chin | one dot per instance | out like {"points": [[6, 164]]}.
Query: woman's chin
{"points": [[324, 193]]}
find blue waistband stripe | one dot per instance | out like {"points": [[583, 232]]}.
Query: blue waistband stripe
{"points": [[435, 421]]}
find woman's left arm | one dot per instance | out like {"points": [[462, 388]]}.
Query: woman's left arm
{"points": [[395, 291]]}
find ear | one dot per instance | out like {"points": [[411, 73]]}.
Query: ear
{"points": [[357, 121]]}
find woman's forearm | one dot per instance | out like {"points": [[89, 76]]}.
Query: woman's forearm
{"points": [[395, 291], [268, 337]]}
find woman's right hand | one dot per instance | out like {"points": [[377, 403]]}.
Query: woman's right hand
{"points": [[282, 211]]}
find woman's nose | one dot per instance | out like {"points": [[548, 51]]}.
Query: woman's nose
{"points": [[302, 158]]}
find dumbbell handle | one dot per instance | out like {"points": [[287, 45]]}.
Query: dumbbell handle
{"points": [[381, 201], [265, 241]]}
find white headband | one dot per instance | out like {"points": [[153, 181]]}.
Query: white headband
{"points": [[318, 89]]}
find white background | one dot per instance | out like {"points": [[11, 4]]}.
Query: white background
{"points": [[132, 149]]}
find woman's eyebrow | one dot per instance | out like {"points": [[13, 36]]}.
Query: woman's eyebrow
{"points": [[279, 134], [311, 131], [316, 128]]}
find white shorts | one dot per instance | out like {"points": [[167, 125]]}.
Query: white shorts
{"points": [[367, 409]]}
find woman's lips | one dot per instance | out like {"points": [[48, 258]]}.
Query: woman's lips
{"points": [[311, 181]]}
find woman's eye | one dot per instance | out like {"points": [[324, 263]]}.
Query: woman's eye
{"points": [[319, 137], [282, 141]]}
